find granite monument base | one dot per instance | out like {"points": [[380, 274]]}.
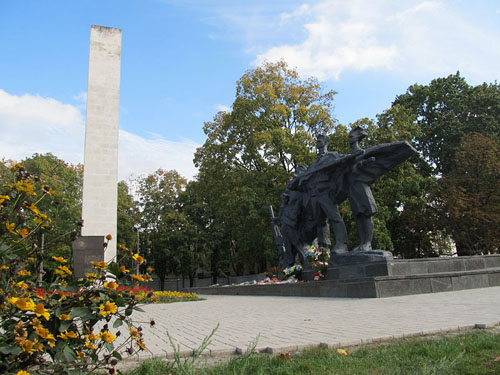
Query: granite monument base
{"points": [[87, 249], [386, 278]]}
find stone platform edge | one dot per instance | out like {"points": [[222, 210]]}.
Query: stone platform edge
{"points": [[368, 287]]}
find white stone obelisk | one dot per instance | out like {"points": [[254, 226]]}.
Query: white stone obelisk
{"points": [[100, 195]]}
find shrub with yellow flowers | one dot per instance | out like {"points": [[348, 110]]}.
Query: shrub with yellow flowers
{"points": [[60, 325]]}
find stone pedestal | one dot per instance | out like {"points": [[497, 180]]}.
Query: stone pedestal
{"points": [[385, 278], [85, 250], [352, 257]]}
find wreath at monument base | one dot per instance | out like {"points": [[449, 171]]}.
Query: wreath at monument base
{"points": [[318, 257]]}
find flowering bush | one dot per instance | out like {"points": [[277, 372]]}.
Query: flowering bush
{"points": [[173, 296], [144, 295], [319, 258], [57, 325]]}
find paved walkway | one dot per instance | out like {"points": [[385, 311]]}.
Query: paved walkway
{"points": [[291, 323]]}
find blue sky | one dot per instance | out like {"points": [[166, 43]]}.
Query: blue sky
{"points": [[181, 61]]}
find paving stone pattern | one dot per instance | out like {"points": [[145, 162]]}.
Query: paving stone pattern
{"points": [[292, 323]]}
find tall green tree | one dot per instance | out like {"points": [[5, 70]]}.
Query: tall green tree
{"points": [[446, 110], [469, 196], [127, 219], [66, 180], [251, 152], [161, 220]]}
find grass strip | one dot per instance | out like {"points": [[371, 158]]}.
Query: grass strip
{"points": [[469, 353]]}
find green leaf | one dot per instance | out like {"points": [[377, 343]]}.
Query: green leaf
{"points": [[117, 323], [114, 268], [82, 313], [64, 325], [65, 353], [117, 355], [10, 350]]}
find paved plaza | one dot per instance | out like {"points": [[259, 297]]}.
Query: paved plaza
{"points": [[293, 323]]}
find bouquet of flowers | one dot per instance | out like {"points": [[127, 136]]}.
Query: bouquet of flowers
{"points": [[275, 273], [294, 270], [318, 257]]}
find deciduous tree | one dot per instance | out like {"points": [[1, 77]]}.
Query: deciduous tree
{"points": [[469, 196]]}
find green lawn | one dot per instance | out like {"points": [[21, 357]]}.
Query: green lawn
{"points": [[471, 353]]}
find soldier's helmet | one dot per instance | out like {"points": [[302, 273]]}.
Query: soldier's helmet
{"points": [[357, 134], [322, 140]]}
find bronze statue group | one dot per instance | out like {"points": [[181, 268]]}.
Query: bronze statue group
{"points": [[311, 200]]}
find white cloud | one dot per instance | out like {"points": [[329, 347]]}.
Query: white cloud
{"points": [[411, 37], [222, 108], [140, 156], [300, 11], [32, 124]]}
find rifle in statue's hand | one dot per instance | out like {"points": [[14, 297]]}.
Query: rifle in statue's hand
{"points": [[278, 237]]}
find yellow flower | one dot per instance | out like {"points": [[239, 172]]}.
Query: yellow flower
{"points": [[4, 198], [71, 334], [26, 186], [109, 237], [31, 259], [111, 285], [16, 166], [64, 317], [342, 351], [36, 323], [22, 372], [149, 269], [99, 265], [63, 271], [28, 346], [137, 277], [33, 208], [23, 232], [22, 303], [24, 273], [60, 259], [91, 276], [10, 227], [79, 354], [123, 269], [138, 258], [40, 310], [22, 285], [141, 344], [106, 336], [108, 308], [90, 346], [4, 267], [44, 333], [92, 337], [134, 333], [68, 334]]}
